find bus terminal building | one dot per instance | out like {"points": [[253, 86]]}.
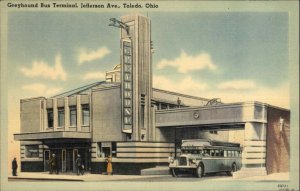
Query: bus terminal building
{"points": [[138, 125]]}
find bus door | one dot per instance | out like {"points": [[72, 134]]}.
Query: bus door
{"points": [[229, 160], [208, 160]]}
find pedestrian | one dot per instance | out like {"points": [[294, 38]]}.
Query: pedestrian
{"points": [[53, 164], [14, 166], [109, 169], [79, 165]]}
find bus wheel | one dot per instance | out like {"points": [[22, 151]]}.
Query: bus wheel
{"points": [[199, 171], [233, 169], [174, 172]]}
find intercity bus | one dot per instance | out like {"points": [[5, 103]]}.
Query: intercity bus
{"points": [[201, 156]]}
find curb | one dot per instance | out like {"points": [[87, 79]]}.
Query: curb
{"points": [[45, 179]]}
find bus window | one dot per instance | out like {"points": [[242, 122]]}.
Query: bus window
{"points": [[236, 153], [229, 153], [206, 152], [217, 152], [222, 153], [225, 154], [212, 152]]}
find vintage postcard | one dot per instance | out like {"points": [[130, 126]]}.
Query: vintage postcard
{"points": [[149, 95]]}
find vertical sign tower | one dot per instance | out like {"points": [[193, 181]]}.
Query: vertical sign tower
{"points": [[136, 77]]}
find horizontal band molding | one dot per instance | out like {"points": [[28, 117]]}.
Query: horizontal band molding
{"points": [[252, 161], [144, 152], [255, 143], [141, 157], [254, 158], [139, 149], [133, 160], [144, 144], [142, 147], [254, 149], [257, 146], [254, 155]]}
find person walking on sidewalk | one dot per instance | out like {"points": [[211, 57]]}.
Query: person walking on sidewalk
{"points": [[53, 164], [79, 166], [14, 166], [109, 169]]}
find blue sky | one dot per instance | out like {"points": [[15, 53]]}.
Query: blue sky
{"points": [[232, 56]]}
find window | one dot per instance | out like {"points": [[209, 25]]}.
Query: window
{"points": [[100, 154], [73, 116], [106, 149], [114, 149], [206, 152], [61, 117], [50, 117], [142, 116], [164, 106], [221, 153], [32, 151], [85, 114], [213, 132]]}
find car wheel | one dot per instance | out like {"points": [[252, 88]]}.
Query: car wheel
{"points": [[174, 172], [199, 171], [233, 169]]}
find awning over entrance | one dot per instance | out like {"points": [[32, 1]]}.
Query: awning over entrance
{"points": [[52, 135]]}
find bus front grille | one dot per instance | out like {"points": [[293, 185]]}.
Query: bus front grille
{"points": [[182, 161]]}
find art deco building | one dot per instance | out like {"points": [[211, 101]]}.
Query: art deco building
{"points": [[138, 125]]}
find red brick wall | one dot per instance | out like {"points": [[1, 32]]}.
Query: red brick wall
{"points": [[278, 144]]}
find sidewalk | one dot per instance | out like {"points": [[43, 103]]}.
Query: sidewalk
{"points": [[45, 176], [271, 177]]}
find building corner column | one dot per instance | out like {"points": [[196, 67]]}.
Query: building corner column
{"points": [[254, 151]]}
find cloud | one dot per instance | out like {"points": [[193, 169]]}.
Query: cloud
{"points": [[276, 95], [237, 85], [185, 62], [186, 85], [42, 69], [245, 90], [85, 56], [94, 76], [41, 89]]}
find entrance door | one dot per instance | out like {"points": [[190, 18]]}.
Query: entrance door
{"points": [[75, 153], [46, 159], [63, 160], [69, 159]]}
